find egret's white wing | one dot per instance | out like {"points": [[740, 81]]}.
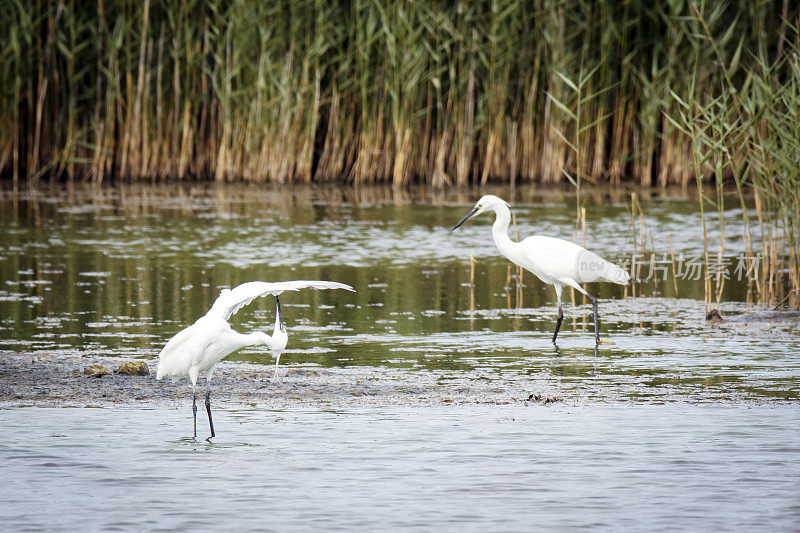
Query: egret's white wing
{"points": [[557, 258], [231, 300], [560, 259]]}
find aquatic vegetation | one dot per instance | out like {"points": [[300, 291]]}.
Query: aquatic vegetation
{"points": [[435, 92], [747, 134]]}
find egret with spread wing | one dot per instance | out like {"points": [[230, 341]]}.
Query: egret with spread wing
{"points": [[196, 349], [554, 261]]}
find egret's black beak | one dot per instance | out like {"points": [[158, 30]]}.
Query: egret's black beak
{"points": [[467, 217], [280, 319]]}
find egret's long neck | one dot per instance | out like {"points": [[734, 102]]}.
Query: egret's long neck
{"points": [[278, 322], [233, 341], [236, 341], [250, 339], [500, 228]]}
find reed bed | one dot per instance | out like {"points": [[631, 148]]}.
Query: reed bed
{"points": [[441, 94]]}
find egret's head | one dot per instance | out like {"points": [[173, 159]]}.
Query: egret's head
{"points": [[488, 202]]}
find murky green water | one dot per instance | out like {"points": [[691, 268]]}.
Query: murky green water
{"points": [[118, 271]]}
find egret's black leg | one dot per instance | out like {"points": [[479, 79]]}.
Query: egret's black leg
{"points": [[596, 319], [558, 322], [194, 411], [208, 410]]}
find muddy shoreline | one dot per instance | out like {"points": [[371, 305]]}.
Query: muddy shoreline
{"points": [[42, 381], [36, 380]]}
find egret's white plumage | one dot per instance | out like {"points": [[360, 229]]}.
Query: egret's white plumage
{"points": [[195, 350], [231, 300], [554, 261]]}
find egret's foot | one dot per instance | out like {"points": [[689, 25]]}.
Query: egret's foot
{"points": [[194, 412], [603, 341], [208, 410], [558, 322], [596, 320]]}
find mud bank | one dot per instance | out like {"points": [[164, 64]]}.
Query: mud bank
{"points": [[42, 381], [59, 381]]}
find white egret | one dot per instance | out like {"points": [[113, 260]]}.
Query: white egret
{"points": [[196, 349], [554, 261]]}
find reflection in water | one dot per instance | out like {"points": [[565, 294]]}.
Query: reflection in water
{"points": [[117, 271]]}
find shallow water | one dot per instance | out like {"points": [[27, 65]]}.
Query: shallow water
{"points": [[117, 271], [675, 425], [646, 468]]}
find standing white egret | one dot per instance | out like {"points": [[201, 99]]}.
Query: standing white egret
{"points": [[196, 349], [554, 261]]}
